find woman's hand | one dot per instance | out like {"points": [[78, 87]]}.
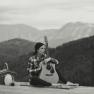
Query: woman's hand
{"points": [[34, 70], [57, 62]]}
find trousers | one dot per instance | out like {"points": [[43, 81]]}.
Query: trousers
{"points": [[35, 81]]}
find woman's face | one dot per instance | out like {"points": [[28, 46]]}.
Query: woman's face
{"points": [[42, 49]]}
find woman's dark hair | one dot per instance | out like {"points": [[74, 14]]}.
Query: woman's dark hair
{"points": [[37, 46]]}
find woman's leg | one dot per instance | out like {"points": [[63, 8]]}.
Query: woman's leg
{"points": [[35, 81]]}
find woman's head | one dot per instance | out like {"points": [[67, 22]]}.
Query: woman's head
{"points": [[39, 48]]}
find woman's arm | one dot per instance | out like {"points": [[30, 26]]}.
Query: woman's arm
{"points": [[52, 60], [32, 66]]}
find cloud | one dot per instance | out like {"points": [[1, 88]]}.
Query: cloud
{"points": [[45, 13]]}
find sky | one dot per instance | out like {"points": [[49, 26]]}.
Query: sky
{"points": [[45, 14]]}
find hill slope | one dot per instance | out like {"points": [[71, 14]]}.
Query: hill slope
{"points": [[16, 47], [77, 61]]}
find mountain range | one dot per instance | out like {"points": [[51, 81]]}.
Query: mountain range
{"points": [[56, 37]]}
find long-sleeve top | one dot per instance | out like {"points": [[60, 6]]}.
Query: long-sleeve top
{"points": [[34, 67]]}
